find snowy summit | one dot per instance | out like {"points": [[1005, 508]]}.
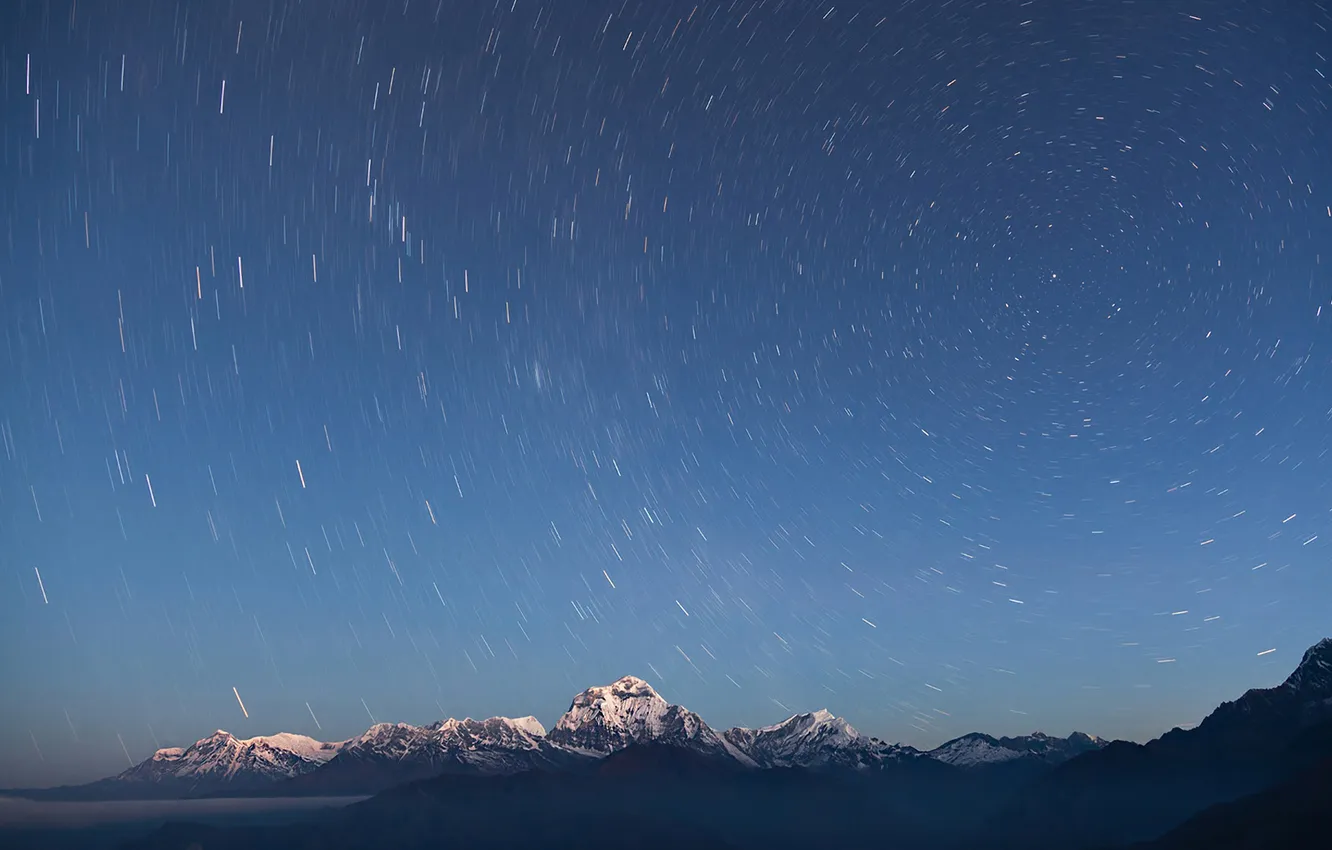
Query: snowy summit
{"points": [[817, 740], [978, 749], [1314, 674], [222, 759], [608, 718]]}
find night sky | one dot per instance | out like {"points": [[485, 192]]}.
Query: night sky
{"points": [[951, 365]]}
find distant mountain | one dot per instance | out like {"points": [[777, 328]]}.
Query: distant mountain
{"points": [[389, 754], [605, 719], [815, 740], [1240, 748], [600, 721], [218, 764], [978, 749]]}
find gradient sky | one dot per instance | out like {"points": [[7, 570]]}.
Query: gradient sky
{"points": [[954, 366]]}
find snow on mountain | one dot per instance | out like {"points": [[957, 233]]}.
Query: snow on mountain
{"points": [[223, 763], [299, 745], [222, 759], [814, 740], [496, 745], [1266, 717], [1313, 676], [608, 718], [528, 724], [400, 740], [973, 750], [978, 749]]}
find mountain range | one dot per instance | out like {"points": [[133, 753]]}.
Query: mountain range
{"points": [[600, 721], [623, 764]]}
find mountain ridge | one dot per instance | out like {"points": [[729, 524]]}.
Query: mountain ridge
{"points": [[977, 748], [1256, 769], [1240, 747], [605, 719], [599, 721]]}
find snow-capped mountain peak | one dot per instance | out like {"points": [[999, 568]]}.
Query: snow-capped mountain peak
{"points": [[973, 750], [625, 687], [384, 736], [521, 733], [1314, 673], [817, 739], [610, 717], [528, 724], [822, 724], [389, 754], [301, 745], [976, 749], [607, 718], [222, 759]]}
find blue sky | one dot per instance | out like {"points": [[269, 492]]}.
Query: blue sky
{"points": [[952, 369]]}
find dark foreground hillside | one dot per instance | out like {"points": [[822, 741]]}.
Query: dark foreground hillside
{"points": [[1296, 813], [647, 796], [663, 797]]}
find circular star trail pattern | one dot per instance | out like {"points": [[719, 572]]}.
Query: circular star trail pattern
{"points": [[952, 366]]}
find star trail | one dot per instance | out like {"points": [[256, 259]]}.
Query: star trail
{"points": [[954, 366]]}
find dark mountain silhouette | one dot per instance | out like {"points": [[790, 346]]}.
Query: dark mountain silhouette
{"points": [[665, 761], [1129, 792], [1295, 813], [645, 795]]}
